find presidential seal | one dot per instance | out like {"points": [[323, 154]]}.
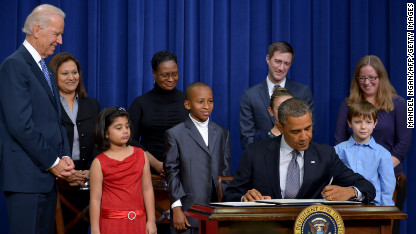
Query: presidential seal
{"points": [[319, 219]]}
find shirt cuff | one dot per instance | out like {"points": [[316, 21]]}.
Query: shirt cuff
{"points": [[358, 195], [55, 163], [176, 203]]}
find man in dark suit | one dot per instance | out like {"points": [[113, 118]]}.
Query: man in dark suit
{"points": [[198, 150], [291, 166], [254, 116], [35, 146]]}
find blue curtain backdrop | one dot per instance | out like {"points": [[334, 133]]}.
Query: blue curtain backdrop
{"points": [[224, 43]]}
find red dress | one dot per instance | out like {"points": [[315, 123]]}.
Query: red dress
{"points": [[122, 206]]}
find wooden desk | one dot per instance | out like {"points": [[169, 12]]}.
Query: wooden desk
{"points": [[357, 218]]}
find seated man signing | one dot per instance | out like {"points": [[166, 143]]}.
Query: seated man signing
{"points": [[292, 167]]}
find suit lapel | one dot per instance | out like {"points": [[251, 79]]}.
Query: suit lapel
{"points": [[309, 167], [271, 158], [212, 137], [65, 117], [195, 134], [288, 84], [39, 74], [264, 94]]}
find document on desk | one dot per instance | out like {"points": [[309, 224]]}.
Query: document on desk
{"points": [[242, 204], [300, 202]]}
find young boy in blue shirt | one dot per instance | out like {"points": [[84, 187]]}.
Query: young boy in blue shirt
{"points": [[363, 155]]}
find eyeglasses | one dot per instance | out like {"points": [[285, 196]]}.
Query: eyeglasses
{"points": [[362, 79], [174, 75]]}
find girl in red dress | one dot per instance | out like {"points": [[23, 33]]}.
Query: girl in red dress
{"points": [[121, 192]]}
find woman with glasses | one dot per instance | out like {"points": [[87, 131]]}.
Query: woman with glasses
{"points": [[159, 109], [371, 83]]}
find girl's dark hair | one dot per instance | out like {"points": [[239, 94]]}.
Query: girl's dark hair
{"points": [[104, 120]]}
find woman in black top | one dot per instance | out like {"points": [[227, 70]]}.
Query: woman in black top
{"points": [[79, 114], [159, 109]]}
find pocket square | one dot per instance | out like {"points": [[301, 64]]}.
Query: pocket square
{"points": [[312, 161]]}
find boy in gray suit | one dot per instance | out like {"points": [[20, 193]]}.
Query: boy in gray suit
{"points": [[197, 151]]}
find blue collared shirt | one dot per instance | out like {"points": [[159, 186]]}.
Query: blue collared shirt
{"points": [[372, 161]]}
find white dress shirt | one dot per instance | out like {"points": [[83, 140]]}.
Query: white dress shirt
{"points": [[270, 85]]}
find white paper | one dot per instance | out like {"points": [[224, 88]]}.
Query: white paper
{"points": [[241, 204], [305, 201]]}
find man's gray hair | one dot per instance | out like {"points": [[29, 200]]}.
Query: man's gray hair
{"points": [[41, 16], [294, 107]]}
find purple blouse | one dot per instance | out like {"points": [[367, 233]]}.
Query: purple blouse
{"points": [[390, 132]]}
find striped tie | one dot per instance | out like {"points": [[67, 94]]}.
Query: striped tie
{"points": [[293, 177], [46, 73]]}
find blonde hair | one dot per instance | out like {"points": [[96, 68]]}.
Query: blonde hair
{"points": [[385, 92]]}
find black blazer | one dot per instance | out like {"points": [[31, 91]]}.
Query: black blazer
{"points": [[88, 110], [259, 169], [31, 127], [254, 115]]}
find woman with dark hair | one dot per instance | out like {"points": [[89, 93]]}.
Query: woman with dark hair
{"points": [[79, 114], [371, 83], [159, 109]]}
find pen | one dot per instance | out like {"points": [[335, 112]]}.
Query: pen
{"points": [[330, 181]]}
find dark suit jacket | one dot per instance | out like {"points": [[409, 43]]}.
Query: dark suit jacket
{"points": [[88, 110], [259, 169], [254, 115], [30, 124], [191, 167]]}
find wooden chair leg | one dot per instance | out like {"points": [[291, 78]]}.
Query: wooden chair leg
{"points": [[59, 219]]}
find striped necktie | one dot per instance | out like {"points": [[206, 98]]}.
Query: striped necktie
{"points": [[46, 73], [293, 177]]}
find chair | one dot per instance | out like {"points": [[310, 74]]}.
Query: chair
{"points": [[400, 179], [83, 215], [162, 203], [220, 179]]}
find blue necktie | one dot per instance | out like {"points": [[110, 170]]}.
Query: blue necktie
{"points": [[293, 177], [46, 73], [275, 87]]}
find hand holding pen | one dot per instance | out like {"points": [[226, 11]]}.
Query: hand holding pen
{"points": [[337, 193]]}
